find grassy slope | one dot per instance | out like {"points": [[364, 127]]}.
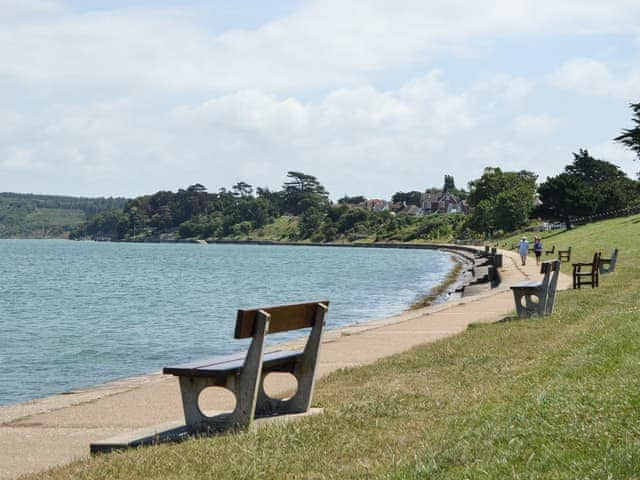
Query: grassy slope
{"points": [[55, 217], [557, 397], [42, 223]]}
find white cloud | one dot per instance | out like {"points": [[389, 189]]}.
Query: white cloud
{"points": [[592, 77], [250, 110], [423, 103], [128, 101], [535, 125], [363, 107], [14, 158], [505, 87], [12, 9], [322, 44]]}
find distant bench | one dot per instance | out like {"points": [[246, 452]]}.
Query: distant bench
{"points": [[608, 265], [564, 255], [243, 375], [587, 273], [538, 298]]}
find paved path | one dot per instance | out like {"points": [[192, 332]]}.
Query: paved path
{"points": [[56, 430]]}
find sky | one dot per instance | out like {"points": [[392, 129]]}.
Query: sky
{"points": [[125, 98]]}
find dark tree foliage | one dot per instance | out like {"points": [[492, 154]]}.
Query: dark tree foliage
{"points": [[411, 198], [501, 200], [449, 184], [303, 183], [310, 222], [587, 186], [242, 189], [194, 212], [357, 200], [303, 192], [564, 196], [591, 171], [630, 137]]}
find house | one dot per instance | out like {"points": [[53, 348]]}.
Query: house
{"points": [[438, 201], [413, 210], [377, 205]]}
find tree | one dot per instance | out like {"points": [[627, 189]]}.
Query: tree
{"points": [[411, 198], [564, 196], [242, 189], [449, 184], [592, 171], [501, 200], [301, 182], [630, 137], [587, 186], [303, 192], [357, 200], [310, 222]]}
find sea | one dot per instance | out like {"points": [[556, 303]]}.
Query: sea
{"points": [[76, 314]]}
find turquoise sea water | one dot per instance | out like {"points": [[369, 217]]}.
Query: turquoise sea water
{"points": [[74, 314]]}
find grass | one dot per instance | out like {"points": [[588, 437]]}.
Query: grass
{"points": [[282, 228], [555, 397]]}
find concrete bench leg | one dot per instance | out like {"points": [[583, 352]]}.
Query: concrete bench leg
{"points": [[304, 370], [529, 307], [244, 386]]}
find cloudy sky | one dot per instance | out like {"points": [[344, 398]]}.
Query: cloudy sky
{"points": [[371, 96]]}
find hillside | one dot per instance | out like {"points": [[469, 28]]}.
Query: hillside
{"points": [[48, 216], [551, 397]]}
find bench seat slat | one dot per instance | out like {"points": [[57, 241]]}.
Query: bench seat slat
{"points": [[531, 284], [206, 361], [229, 364]]}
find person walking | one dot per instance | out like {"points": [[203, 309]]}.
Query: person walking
{"points": [[537, 249], [523, 249]]}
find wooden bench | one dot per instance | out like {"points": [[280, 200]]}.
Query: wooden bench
{"points": [[552, 251], [582, 276], [243, 375], [608, 265], [538, 298], [564, 255]]}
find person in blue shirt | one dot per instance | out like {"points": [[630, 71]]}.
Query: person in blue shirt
{"points": [[537, 249], [523, 249]]}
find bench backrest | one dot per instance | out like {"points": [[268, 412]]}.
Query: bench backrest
{"points": [[596, 261], [551, 270], [548, 268], [283, 318]]}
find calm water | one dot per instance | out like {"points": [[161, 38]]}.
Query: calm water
{"points": [[74, 314]]}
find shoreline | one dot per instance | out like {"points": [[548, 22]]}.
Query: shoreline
{"points": [[57, 430], [444, 295]]}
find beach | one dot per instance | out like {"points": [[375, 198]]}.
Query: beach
{"points": [[56, 430]]}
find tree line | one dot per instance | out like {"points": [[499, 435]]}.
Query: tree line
{"points": [[500, 201]]}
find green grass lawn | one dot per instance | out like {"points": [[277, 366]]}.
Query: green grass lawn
{"points": [[555, 397]]}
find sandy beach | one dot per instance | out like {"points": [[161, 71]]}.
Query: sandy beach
{"points": [[56, 430]]}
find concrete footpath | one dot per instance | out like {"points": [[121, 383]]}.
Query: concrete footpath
{"points": [[56, 430]]}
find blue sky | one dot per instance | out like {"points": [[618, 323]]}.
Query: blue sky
{"points": [[371, 96]]}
